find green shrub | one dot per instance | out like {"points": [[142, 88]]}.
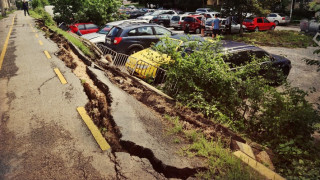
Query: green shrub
{"points": [[244, 101], [39, 3]]}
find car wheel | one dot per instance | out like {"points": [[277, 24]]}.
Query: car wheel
{"points": [[276, 22], [272, 28], [197, 31], [134, 50], [256, 29]]}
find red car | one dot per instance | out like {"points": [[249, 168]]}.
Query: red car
{"points": [[192, 24], [84, 28], [258, 24]]}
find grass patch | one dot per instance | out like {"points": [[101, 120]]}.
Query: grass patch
{"points": [[221, 163], [8, 12], [65, 34], [289, 39]]}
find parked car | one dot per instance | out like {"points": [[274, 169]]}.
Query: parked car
{"points": [[177, 21], [133, 38], [192, 24], [203, 10], [84, 28], [278, 18], [237, 54], [99, 37], [157, 13], [235, 28], [212, 14], [136, 13], [163, 20], [258, 24], [310, 27]]}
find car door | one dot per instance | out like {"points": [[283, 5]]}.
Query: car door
{"points": [[82, 29], [161, 32], [267, 24], [235, 28], [144, 36], [260, 24], [91, 28], [271, 17]]}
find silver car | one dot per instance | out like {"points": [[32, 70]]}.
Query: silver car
{"points": [[177, 21], [235, 27]]}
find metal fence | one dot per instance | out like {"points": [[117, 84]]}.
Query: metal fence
{"points": [[141, 68]]}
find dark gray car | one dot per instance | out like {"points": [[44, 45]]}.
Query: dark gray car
{"points": [[128, 39]]}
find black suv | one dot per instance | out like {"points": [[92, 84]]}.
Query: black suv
{"points": [[128, 39]]}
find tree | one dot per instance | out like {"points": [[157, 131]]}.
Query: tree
{"points": [[96, 11]]}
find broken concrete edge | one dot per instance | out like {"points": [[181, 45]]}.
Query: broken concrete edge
{"points": [[260, 168], [80, 54], [153, 88], [93, 129], [133, 149]]}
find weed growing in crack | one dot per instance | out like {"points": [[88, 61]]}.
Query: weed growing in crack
{"points": [[177, 126], [83, 81]]}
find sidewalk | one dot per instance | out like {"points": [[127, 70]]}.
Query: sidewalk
{"points": [[41, 134]]}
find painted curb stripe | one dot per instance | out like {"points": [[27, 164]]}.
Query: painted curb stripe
{"points": [[40, 42], [60, 76], [94, 129], [263, 170], [36, 35], [47, 54], [5, 46]]}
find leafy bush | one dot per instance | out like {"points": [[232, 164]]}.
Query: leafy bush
{"points": [[244, 101], [45, 16], [39, 3]]}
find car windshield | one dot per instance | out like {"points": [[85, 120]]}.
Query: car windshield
{"points": [[163, 43], [105, 29], [156, 13], [188, 19], [248, 20], [113, 32], [175, 18]]}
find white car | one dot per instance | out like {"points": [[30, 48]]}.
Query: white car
{"points": [[100, 36], [177, 21], [157, 13], [203, 10], [278, 18], [212, 14]]}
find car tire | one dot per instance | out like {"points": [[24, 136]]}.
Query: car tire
{"points": [[276, 22], [256, 29], [272, 28], [134, 50], [197, 31]]}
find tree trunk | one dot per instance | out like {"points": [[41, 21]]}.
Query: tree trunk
{"points": [[3, 7]]}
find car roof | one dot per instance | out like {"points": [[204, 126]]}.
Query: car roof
{"points": [[233, 46], [135, 25], [195, 15], [188, 37]]}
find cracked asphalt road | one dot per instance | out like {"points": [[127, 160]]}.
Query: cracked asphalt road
{"points": [[41, 134]]}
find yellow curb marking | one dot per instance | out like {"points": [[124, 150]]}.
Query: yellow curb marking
{"points": [[40, 42], [263, 170], [36, 35], [47, 54], [94, 129], [5, 46], [33, 30], [60, 76]]}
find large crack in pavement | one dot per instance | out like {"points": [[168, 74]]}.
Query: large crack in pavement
{"points": [[99, 110]]}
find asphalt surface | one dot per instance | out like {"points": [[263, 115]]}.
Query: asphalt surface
{"points": [[41, 134]]}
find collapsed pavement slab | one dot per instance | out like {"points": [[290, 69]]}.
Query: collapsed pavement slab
{"points": [[143, 133]]}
